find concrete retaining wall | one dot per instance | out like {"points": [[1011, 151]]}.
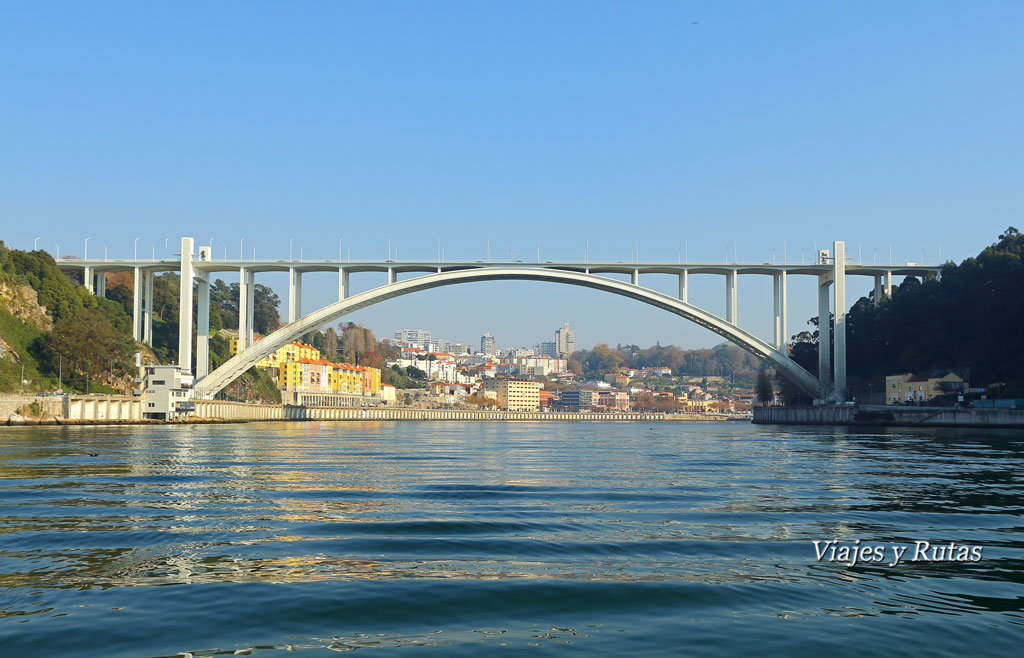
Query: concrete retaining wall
{"points": [[890, 415], [238, 410], [50, 405], [104, 408]]}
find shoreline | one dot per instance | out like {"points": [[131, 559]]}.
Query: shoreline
{"points": [[890, 416], [391, 415]]}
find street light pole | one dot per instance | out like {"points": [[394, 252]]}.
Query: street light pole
{"points": [[290, 241], [85, 256], [136, 249], [35, 244], [241, 254]]}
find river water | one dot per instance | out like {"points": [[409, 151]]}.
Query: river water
{"points": [[478, 538]]}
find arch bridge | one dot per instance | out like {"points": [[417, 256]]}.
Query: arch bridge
{"points": [[196, 269]]}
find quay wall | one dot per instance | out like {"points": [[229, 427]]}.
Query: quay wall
{"points": [[886, 415], [100, 409]]}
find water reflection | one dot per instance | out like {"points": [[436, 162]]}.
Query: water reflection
{"points": [[728, 507]]}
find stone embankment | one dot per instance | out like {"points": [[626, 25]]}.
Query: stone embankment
{"points": [[891, 416], [112, 409]]}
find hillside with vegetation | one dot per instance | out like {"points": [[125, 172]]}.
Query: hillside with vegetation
{"points": [[55, 335], [725, 360], [968, 320]]}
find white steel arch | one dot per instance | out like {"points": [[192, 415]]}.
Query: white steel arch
{"points": [[245, 359]]}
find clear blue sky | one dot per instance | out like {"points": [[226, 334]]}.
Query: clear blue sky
{"points": [[665, 122]]}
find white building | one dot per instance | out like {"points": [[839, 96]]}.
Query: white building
{"points": [[438, 366], [415, 337], [488, 345], [565, 341], [166, 392]]}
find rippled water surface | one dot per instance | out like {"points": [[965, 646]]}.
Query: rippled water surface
{"points": [[473, 539]]}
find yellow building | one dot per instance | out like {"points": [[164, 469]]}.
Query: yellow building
{"points": [[322, 376], [518, 395], [293, 351], [906, 387], [617, 379], [306, 376]]}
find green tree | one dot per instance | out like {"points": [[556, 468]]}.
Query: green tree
{"points": [[765, 392], [89, 344]]}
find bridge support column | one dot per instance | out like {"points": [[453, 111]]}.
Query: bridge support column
{"points": [[88, 281], [342, 283], [137, 304], [731, 298], [635, 277], [777, 330], [185, 307], [783, 296], [294, 295], [878, 290], [683, 285], [203, 327], [888, 285], [250, 308], [246, 304], [824, 337], [101, 284], [839, 341], [147, 330], [392, 276]]}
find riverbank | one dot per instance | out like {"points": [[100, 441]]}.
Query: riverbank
{"points": [[125, 410], [889, 416], [328, 414]]}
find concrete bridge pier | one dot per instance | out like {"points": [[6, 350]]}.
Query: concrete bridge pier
{"points": [[137, 303], [203, 326], [185, 306], [246, 304], [824, 337], [839, 342], [294, 294], [731, 299], [779, 289], [147, 322], [342, 283]]}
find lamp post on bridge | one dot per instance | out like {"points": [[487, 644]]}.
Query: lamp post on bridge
{"points": [[35, 246], [85, 255], [104, 251], [241, 253], [136, 257]]}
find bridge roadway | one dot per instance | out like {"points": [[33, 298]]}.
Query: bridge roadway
{"points": [[831, 273]]}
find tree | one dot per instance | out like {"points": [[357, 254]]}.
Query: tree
{"points": [[372, 360], [765, 393], [265, 318], [331, 343], [88, 343], [355, 342]]}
